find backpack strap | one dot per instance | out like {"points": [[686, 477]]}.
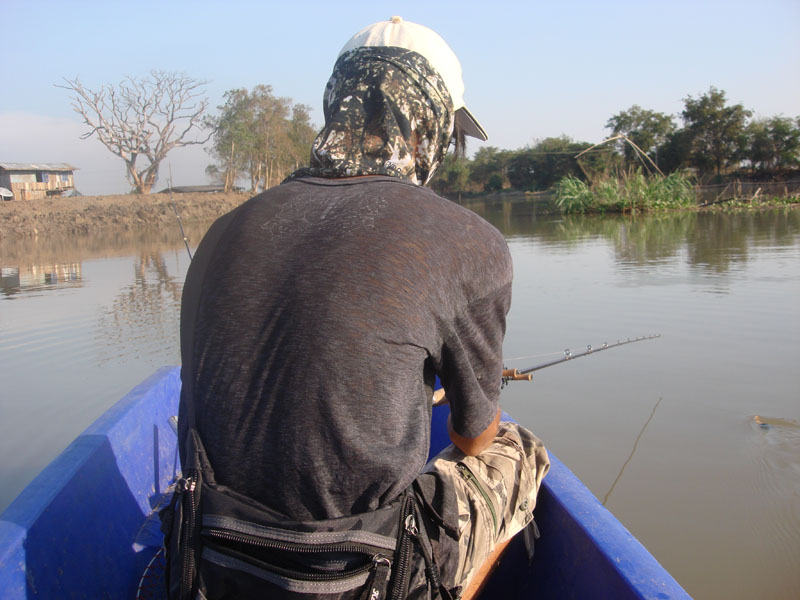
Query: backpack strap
{"points": [[180, 523]]}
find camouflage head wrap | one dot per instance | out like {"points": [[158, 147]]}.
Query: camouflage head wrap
{"points": [[387, 112]]}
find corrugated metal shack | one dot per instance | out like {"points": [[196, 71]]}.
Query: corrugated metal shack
{"points": [[29, 181]]}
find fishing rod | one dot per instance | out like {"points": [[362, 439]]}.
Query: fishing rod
{"points": [[525, 374], [177, 216]]}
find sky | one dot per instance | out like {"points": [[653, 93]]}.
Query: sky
{"points": [[531, 69]]}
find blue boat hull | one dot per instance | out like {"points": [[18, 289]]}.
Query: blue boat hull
{"points": [[81, 528]]}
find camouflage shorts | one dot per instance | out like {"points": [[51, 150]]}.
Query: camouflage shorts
{"points": [[496, 492]]}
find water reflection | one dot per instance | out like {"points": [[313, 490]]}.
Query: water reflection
{"points": [[104, 244], [67, 357], [712, 241], [723, 241], [14, 280], [143, 314]]}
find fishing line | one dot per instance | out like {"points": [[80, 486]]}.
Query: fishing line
{"points": [[635, 444], [532, 356], [177, 216]]}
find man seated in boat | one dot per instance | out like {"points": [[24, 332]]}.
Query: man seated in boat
{"points": [[317, 315]]}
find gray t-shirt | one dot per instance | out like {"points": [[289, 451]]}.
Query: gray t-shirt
{"points": [[314, 319]]}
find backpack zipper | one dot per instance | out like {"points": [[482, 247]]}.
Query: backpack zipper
{"points": [[364, 549], [410, 529], [470, 477], [187, 486]]}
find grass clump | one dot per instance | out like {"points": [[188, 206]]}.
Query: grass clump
{"points": [[631, 192]]}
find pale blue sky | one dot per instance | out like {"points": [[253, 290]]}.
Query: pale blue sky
{"points": [[531, 69]]}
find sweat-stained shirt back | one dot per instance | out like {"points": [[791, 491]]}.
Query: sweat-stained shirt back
{"points": [[314, 319]]}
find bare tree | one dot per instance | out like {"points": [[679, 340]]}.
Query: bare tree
{"points": [[142, 118]]}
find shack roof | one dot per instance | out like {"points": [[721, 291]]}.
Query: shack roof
{"points": [[37, 167], [188, 189]]}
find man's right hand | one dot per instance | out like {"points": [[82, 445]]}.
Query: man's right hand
{"points": [[439, 399]]}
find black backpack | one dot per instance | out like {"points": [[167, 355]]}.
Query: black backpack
{"points": [[222, 544]]}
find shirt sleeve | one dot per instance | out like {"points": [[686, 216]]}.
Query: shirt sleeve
{"points": [[472, 360]]}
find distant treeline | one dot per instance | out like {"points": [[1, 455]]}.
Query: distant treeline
{"points": [[262, 138], [715, 139]]}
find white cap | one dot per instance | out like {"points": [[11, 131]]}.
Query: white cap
{"points": [[411, 36]]}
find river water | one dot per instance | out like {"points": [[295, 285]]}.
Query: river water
{"points": [[692, 440]]}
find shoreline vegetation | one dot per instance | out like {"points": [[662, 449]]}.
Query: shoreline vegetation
{"points": [[635, 193], [632, 192]]}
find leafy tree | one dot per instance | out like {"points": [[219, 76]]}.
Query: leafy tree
{"points": [[522, 170], [261, 135], [675, 153], [489, 164], [452, 176], [759, 145], [541, 166], [144, 118], [231, 137], [645, 128], [717, 130], [773, 143], [301, 135], [495, 183]]}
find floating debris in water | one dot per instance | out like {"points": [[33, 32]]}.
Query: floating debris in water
{"points": [[761, 422], [770, 422]]}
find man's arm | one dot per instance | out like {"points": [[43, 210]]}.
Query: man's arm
{"points": [[476, 445], [469, 361]]}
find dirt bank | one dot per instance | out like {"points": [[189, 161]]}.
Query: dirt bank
{"points": [[91, 214]]}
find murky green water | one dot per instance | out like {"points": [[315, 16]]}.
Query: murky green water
{"points": [[664, 431]]}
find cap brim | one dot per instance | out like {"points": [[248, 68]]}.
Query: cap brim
{"points": [[469, 124]]}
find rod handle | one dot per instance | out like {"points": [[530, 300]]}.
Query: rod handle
{"points": [[515, 375], [522, 377]]}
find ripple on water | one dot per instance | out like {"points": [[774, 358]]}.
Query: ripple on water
{"points": [[774, 445]]}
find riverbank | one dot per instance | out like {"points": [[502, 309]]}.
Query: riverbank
{"points": [[96, 214], [91, 214]]}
